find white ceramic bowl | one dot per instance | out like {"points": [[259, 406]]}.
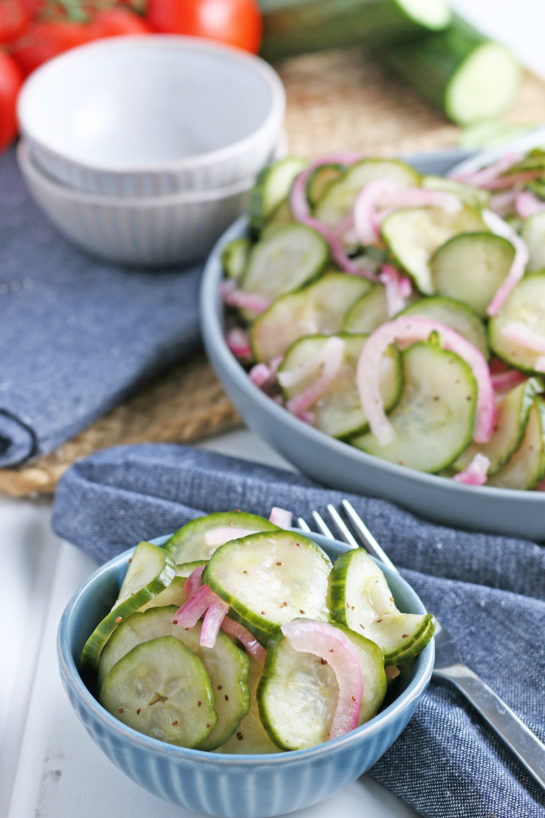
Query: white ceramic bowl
{"points": [[153, 115], [138, 231]]}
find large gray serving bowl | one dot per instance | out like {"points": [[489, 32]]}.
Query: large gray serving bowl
{"points": [[341, 466], [235, 786]]}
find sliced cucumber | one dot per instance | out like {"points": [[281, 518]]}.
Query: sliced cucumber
{"points": [[151, 570], [280, 217], [272, 187], [359, 597], [321, 179], [340, 197], [339, 412], [525, 304], [162, 689], [173, 594], [298, 692], [368, 312], [533, 160], [526, 467], [513, 411], [471, 195], [284, 260], [184, 569], [250, 736], [471, 267], [533, 233], [196, 541], [413, 234], [270, 578], [454, 314], [433, 421], [315, 309], [226, 665], [234, 257]]}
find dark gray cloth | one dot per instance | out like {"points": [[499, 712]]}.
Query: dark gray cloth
{"points": [[489, 591], [76, 335]]}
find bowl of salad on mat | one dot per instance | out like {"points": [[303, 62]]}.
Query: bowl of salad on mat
{"points": [[382, 324], [241, 668]]}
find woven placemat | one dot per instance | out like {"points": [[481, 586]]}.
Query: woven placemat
{"points": [[338, 100]]}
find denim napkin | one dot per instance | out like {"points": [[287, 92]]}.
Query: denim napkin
{"points": [[76, 335], [489, 591]]}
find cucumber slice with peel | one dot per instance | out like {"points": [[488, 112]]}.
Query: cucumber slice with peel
{"points": [[250, 736], [359, 597], [434, 419], [533, 233], [298, 691], [526, 467], [338, 412], [368, 312], [454, 314], [173, 594], [162, 689], [151, 570], [196, 541], [513, 412], [340, 197], [318, 308], [226, 665], [525, 305], [471, 195], [413, 234], [471, 267], [184, 569], [272, 187], [234, 257], [284, 260], [270, 578], [321, 179]]}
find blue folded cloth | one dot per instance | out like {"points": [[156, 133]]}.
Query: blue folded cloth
{"points": [[76, 335], [489, 591]]}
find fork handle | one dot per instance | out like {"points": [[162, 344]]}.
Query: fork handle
{"points": [[525, 745]]}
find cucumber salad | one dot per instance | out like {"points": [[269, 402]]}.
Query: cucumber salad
{"points": [[240, 636], [401, 313]]}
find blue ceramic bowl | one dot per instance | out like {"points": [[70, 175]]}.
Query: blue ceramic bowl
{"points": [[236, 786], [341, 466]]}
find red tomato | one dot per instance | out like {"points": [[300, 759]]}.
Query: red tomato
{"points": [[235, 22], [11, 80], [44, 40], [14, 18], [116, 21]]}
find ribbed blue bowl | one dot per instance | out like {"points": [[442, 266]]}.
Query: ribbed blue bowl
{"points": [[235, 786]]}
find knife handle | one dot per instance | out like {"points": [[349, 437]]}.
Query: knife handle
{"points": [[520, 739]]}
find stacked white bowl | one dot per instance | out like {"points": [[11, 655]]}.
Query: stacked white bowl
{"points": [[142, 150]]}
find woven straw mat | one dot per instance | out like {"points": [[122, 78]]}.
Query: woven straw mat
{"points": [[336, 100]]}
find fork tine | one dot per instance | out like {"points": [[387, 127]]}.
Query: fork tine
{"points": [[366, 535], [343, 529], [322, 525], [303, 525]]}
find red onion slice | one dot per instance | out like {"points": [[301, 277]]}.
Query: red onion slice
{"points": [[417, 328], [255, 302], [475, 473], [501, 228], [503, 381], [298, 195], [191, 611], [526, 204], [333, 646], [481, 177], [238, 342], [193, 582], [398, 288], [225, 533], [245, 638], [212, 621], [280, 517], [365, 217]]}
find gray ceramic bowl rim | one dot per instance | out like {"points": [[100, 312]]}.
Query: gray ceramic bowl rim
{"points": [[198, 161], [125, 202], [412, 692], [211, 315]]}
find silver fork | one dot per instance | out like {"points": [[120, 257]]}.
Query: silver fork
{"points": [[448, 663]]}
